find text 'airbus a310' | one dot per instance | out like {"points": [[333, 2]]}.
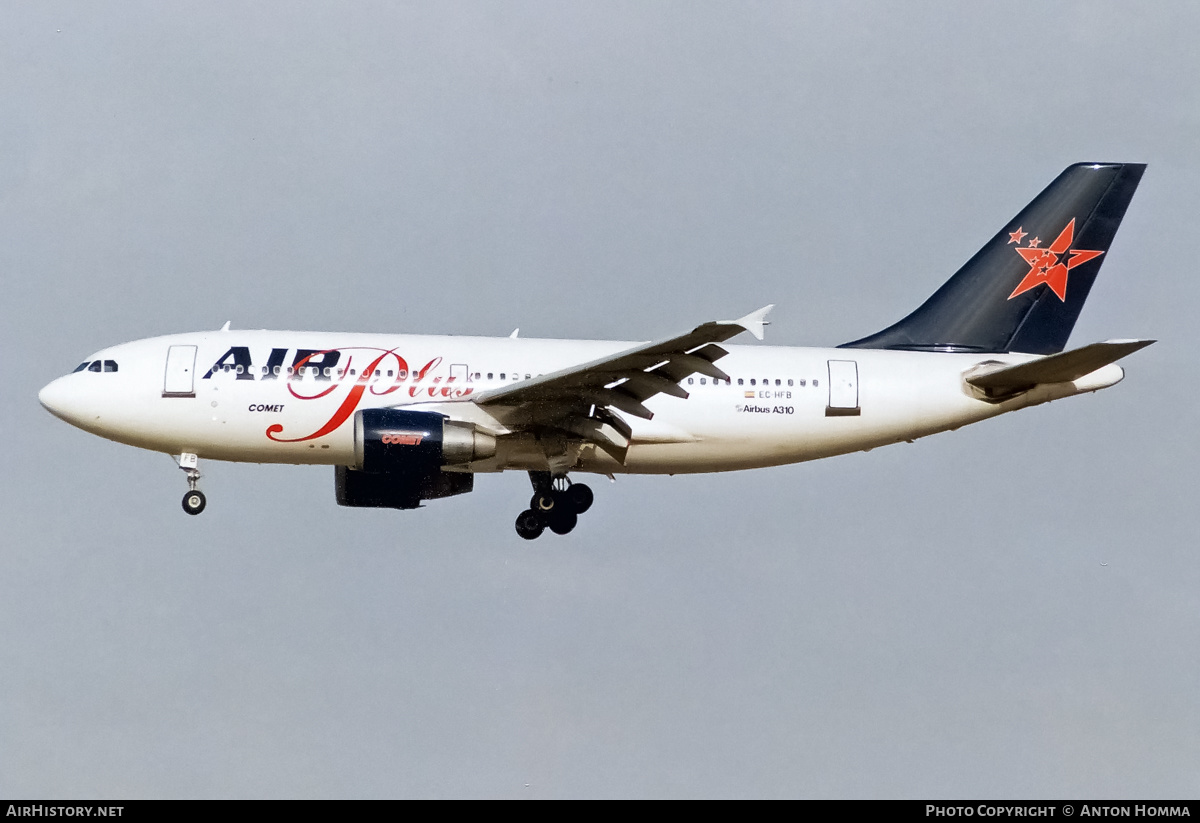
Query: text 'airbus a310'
{"points": [[408, 418]]}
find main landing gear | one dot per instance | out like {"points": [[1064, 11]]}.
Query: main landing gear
{"points": [[194, 501], [556, 505]]}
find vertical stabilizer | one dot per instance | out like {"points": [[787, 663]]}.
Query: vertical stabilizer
{"points": [[1023, 291]]}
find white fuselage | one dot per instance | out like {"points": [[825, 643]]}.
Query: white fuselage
{"points": [[249, 396]]}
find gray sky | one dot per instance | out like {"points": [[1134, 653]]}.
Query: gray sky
{"points": [[923, 620]]}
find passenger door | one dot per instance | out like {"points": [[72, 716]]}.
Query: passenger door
{"points": [[843, 389], [181, 371]]}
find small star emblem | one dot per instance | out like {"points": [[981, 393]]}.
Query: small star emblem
{"points": [[1015, 236]]}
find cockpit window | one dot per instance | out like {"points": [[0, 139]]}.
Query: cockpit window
{"points": [[97, 365]]}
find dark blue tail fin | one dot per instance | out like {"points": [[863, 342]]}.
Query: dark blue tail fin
{"points": [[1023, 291]]}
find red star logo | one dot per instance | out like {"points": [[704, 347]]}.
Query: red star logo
{"points": [[1051, 264], [1015, 236]]}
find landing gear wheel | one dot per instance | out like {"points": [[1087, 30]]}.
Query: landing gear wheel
{"points": [[580, 497], [194, 502], [543, 502], [563, 520], [529, 525]]}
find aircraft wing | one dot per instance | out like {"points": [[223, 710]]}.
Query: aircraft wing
{"points": [[1056, 368], [579, 400]]}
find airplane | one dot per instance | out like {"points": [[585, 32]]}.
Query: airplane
{"points": [[408, 418]]}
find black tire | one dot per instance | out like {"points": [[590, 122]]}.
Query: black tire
{"points": [[529, 525], [563, 520], [580, 497], [194, 502]]}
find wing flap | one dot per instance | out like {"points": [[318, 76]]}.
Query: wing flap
{"points": [[647, 384]]}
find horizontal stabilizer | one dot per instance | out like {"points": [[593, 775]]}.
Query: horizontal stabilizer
{"points": [[1056, 368]]}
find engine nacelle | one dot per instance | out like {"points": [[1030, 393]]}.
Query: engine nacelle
{"points": [[399, 440], [399, 456]]}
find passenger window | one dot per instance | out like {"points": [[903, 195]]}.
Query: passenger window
{"points": [[740, 381], [690, 381], [789, 381], [778, 382], [95, 366], [277, 370], [802, 381], [82, 366], [502, 377], [752, 381], [403, 373], [110, 365], [815, 383], [389, 372], [702, 383], [489, 375]]}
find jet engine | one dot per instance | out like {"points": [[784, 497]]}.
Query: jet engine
{"points": [[399, 455]]}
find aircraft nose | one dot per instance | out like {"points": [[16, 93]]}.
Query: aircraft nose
{"points": [[62, 399]]}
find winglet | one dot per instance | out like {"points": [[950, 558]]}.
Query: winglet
{"points": [[755, 321]]}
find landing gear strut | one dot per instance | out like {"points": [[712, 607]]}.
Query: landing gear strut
{"points": [[556, 505], [194, 501]]}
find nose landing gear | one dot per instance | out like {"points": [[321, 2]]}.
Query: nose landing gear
{"points": [[556, 505], [194, 501]]}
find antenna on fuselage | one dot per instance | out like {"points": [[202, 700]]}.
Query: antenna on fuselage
{"points": [[516, 331], [226, 326]]}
